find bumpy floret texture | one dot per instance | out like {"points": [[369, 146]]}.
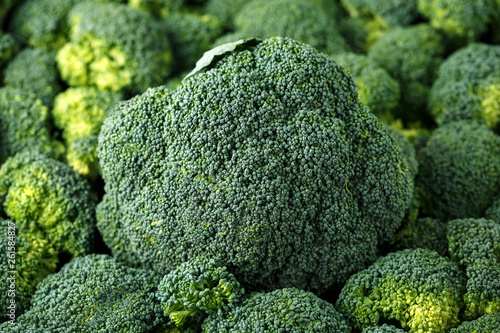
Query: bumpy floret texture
{"points": [[419, 288], [266, 162], [43, 195], [459, 171], [406, 147], [283, 310], [382, 329], [467, 86], [483, 290], [486, 324], [195, 289], [115, 47], [425, 233], [95, 294]]}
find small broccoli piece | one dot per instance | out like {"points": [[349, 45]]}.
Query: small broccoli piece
{"points": [[195, 289], [35, 70], [377, 89], [43, 195], [115, 47], [474, 241], [412, 56], [225, 10], [485, 324], [283, 310], [468, 86], [459, 171], [425, 233], [29, 258], [24, 124], [483, 289], [9, 47], [419, 288], [95, 294], [81, 155], [266, 162], [382, 329], [493, 212], [157, 8]]}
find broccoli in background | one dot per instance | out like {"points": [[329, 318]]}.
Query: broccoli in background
{"points": [[9, 47], [283, 310], [382, 329], [425, 233], [485, 324], [493, 212], [419, 288], [157, 8], [225, 11]]}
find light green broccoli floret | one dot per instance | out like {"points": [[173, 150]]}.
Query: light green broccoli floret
{"points": [[483, 289], [34, 70], [114, 47], [195, 289], [417, 287], [9, 47], [266, 162], [43, 195], [95, 294], [157, 8], [486, 324], [81, 155], [425, 233], [383, 329], [283, 310]]}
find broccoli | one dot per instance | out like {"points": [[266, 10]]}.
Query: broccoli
{"points": [[225, 10], [483, 290], [80, 112], [115, 47], [29, 258], [406, 147], [43, 195], [485, 324], [412, 56], [417, 287], [468, 86], [266, 162], [9, 47], [493, 212], [95, 293], [195, 289], [382, 329], [157, 8], [283, 310], [377, 89], [459, 171], [34, 70], [426, 233]]}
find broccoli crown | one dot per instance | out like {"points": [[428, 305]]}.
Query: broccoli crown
{"points": [[425, 233], [282, 310], [382, 329], [459, 171], [224, 10], [486, 324], [467, 86], [114, 46], [266, 162], [29, 258], [195, 289], [474, 241], [157, 8], [377, 89], [411, 55], [34, 70], [387, 13], [9, 47], [24, 124], [419, 288], [483, 290], [43, 195], [95, 294]]}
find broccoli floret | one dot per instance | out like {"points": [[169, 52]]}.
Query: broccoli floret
{"points": [[411, 55], [468, 86], [377, 89], [24, 124], [493, 212], [419, 288], [35, 70], [95, 294], [382, 329], [459, 171], [483, 290], [474, 241], [43, 195], [283, 310], [425, 233], [485, 324], [225, 10], [406, 147], [9, 47], [157, 8], [29, 258], [266, 162], [195, 289], [115, 47]]}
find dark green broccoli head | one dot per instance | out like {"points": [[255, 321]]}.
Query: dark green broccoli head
{"points": [[383, 329], [35, 70], [157, 8], [419, 288], [29, 258], [377, 89], [459, 171], [468, 86], [95, 294], [114, 46], [474, 241], [412, 56], [425, 233], [493, 212], [266, 162], [486, 324], [43, 195], [195, 289], [283, 310], [9, 47], [483, 290]]}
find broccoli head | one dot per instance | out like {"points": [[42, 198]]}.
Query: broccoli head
{"points": [[382, 329], [283, 310], [224, 10], [9, 47], [425, 233], [486, 324], [266, 162], [417, 287], [483, 290], [157, 8]]}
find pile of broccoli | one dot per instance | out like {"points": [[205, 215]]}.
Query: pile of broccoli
{"points": [[250, 166]]}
